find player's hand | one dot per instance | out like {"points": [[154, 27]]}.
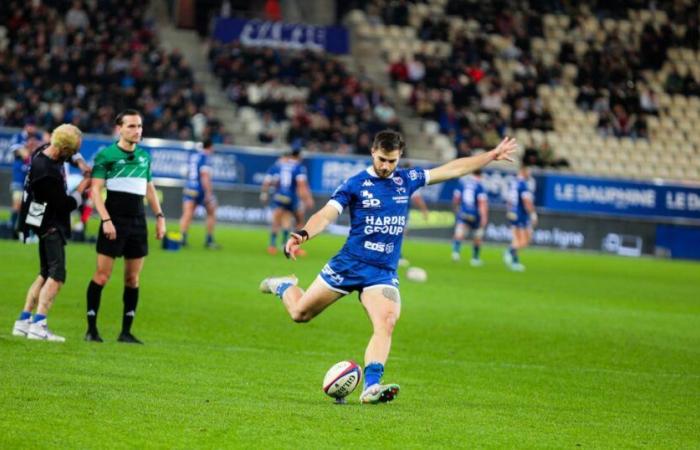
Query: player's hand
{"points": [[533, 218], [294, 242], [109, 231], [84, 185], [160, 227], [264, 198], [505, 150], [85, 170]]}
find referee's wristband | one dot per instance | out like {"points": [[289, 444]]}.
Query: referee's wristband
{"points": [[106, 220], [160, 214]]}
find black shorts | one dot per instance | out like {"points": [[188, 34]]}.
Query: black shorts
{"points": [[52, 256], [131, 241]]}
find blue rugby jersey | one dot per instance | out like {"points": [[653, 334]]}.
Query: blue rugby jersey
{"points": [[471, 191], [378, 213], [197, 163], [519, 189], [285, 175], [20, 166]]}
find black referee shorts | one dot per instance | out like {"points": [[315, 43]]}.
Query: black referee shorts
{"points": [[52, 256], [131, 241]]}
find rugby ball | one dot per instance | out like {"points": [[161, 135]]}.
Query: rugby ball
{"points": [[417, 274], [342, 379]]}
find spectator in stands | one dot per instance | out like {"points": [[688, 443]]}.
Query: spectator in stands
{"points": [[105, 55], [76, 17]]}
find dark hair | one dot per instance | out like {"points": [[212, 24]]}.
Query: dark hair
{"points": [[207, 143], [477, 172], [388, 140], [127, 112]]}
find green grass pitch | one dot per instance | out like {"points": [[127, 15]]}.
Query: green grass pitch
{"points": [[581, 350]]}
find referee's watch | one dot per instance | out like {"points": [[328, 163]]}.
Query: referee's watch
{"points": [[159, 215]]}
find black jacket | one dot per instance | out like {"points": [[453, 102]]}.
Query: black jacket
{"points": [[47, 181]]}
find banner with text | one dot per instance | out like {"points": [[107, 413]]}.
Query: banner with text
{"points": [[623, 198], [332, 39]]}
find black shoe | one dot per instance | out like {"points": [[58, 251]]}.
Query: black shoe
{"points": [[128, 338], [93, 336]]}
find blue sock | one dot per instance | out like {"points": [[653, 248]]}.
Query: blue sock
{"points": [[456, 246], [476, 249], [24, 315], [373, 373], [273, 239], [514, 254], [282, 288], [39, 318], [285, 236], [210, 239]]}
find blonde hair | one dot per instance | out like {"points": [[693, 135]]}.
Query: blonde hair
{"points": [[66, 138]]}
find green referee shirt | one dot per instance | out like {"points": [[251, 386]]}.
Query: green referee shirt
{"points": [[126, 176]]}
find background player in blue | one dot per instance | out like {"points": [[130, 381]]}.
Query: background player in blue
{"points": [[521, 215], [199, 191], [287, 177], [378, 202], [22, 145], [472, 212]]}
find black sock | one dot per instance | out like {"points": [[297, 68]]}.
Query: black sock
{"points": [[131, 299], [94, 293]]}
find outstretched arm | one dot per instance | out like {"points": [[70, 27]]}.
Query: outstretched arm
{"points": [[315, 225], [462, 166]]}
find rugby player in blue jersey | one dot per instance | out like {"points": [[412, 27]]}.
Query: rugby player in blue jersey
{"points": [[472, 213], [378, 203], [22, 145], [288, 179], [521, 215], [199, 191]]}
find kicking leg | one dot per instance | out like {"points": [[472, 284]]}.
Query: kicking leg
{"points": [[301, 306]]}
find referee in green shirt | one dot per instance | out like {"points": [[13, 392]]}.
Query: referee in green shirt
{"points": [[124, 169]]}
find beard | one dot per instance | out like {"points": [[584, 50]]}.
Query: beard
{"points": [[383, 173]]}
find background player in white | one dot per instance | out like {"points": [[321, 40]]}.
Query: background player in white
{"points": [[521, 215], [471, 212], [378, 200]]}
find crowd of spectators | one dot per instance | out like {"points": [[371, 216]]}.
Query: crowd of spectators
{"points": [[465, 94], [328, 108], [81, 63], [449, 90]]}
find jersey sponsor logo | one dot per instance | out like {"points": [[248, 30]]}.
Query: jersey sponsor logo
{"points": [[380, 247], [369, 201], [391, 225], [367, 183], [401, 190], [334, 277]]}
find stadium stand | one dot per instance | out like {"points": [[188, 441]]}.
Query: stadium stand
{"points": [[610, 88], [301, 98], [81, 63]]}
